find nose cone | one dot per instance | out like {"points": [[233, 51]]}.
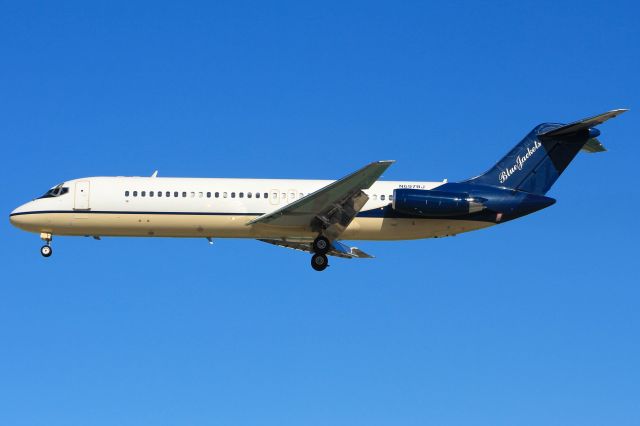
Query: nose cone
{"points": [[16, 217]]}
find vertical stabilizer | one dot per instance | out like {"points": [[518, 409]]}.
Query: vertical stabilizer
{"points": [[535, 163]]}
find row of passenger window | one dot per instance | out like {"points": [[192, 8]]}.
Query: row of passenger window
{"points": [[192, 194], [185, 194]]}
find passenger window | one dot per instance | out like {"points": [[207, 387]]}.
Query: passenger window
{"points": [[375, 197], [224, 195], [382, 197], [184, 194], [159, 193], [284, 195], [135, 193], [233, 195], [175, 194], [167, 194], [150, 193], [300, 195], [248, 195], [292, 195], [266, 195], [143, 193], [257, 195], [241, 195], [390, 197], [193, 194], [208, 195], [217, 194], [126, 193], [274, 195]]}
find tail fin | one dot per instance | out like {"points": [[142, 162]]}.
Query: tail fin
{"points": [[539, 159]]}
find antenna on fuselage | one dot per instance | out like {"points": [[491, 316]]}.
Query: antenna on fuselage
{"points": [[155, 174]]}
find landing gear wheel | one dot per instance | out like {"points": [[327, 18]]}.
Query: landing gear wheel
{"points": [[319, 262], [321, 245], [46, 251]]}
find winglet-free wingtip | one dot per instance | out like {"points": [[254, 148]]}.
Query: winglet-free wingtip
{"points": [[619, 111], [606, 116], [385, 163], [381, 163], [613, 113]]}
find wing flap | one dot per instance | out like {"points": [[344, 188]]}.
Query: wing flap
{"points": [[337, 249]]}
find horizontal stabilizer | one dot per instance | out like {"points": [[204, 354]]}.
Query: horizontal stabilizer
{"points": [[593, 145], [586, 124]]}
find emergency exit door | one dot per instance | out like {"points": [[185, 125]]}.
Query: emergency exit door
{"points": [[82, 195]]}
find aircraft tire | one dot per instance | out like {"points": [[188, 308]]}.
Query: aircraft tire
{"points": [[319, 262], [46, 251], [321, 245]]}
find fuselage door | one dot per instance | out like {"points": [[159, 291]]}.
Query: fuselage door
{"points": [[81, 201]]}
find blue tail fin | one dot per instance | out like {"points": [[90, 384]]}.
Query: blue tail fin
{"points": [[535, 163]]}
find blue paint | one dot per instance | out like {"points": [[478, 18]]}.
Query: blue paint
{"points": [[431, 203], [530, 324], [536, 162]]}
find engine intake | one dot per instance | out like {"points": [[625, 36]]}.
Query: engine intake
{"points": [[435, 203]]}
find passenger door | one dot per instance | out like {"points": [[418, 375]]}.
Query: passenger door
{"points": [[81, 197]]}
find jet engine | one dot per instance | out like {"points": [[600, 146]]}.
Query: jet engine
{"points": [[435, 203]]}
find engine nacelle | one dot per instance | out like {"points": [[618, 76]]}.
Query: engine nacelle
{"points": [[434, 203]]}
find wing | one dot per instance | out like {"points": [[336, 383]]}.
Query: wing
{"points": [[337, 249], [330, 209]]}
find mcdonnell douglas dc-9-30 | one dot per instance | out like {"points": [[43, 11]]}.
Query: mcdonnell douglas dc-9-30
{"points": [[314, 215]]}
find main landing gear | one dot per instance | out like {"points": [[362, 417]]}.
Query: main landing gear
{"points": [[320, 247], [319, 262], [46, 249]]}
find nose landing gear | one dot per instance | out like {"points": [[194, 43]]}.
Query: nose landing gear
{"points": [[46, 249]]}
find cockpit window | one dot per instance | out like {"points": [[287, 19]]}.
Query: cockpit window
{"points": [[56, 191]]}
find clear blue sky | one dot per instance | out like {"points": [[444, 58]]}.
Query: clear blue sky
{"points": [[533, 322]]}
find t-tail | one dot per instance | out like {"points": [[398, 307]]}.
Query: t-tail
{"points": [[535, 163]]}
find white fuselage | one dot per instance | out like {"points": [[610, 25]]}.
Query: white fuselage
{"points": [[211, 208]]}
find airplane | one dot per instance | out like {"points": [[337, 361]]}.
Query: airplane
{"points": [[314, 216]]}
